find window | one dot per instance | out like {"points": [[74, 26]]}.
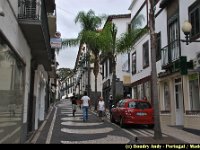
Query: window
{"points": [[146, 54], [194, 92], [140, 91], [132, 105], [140, 19], [11, 93], [147, 90], [125, 58], [194, 16], [135, 92], [134, 63], [121, 103], [142, 105], [166, 97], [158, 48], [174, 48]]}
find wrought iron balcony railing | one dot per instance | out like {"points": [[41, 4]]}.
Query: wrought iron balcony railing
{"points": [[170, 53], [32, 16], [34, 10], [29, 9]]}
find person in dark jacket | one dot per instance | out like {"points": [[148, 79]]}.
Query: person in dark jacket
{"points": [[110, 102], [74, 104]]}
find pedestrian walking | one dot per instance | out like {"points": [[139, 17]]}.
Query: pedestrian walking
{"points": [[74, 104], [110, 102], [85, 106], [101, 108]]}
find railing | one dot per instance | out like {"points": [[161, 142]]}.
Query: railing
{"points": [[29, 9], [170, 53]]}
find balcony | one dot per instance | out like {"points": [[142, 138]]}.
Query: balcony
{"points": [[32, 17], [170, 54]]}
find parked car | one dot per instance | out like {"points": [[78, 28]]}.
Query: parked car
{"points": [[132, 111]]}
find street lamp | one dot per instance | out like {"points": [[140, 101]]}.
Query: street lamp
{"points": [[187, 28]]}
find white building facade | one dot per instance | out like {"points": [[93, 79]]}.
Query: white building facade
{"points": [[177, 65], [123, 77], [23, 74], [179, 82]]}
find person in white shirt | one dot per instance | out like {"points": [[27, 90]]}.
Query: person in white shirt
{"points": [[101, 108], [85, 105]]}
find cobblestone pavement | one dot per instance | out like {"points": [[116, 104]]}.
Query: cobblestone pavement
{"points": [[61, 127]]}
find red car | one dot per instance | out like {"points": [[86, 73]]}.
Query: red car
{"points": [[132, 111]]}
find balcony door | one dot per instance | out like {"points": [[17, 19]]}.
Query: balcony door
{"points": [[174, 52]]}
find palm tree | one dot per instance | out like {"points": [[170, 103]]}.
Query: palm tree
{"points": [[88, 35], [112, 46]]}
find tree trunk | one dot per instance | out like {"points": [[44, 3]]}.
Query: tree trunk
{"points": [[96, 72], [157, 128], [89, 71], [114, 79], [114, 35]]}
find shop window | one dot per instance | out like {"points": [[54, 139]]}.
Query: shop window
{"points": [[194, 92], [166, 97], [135, 92], [11, 93], [147, 90]]}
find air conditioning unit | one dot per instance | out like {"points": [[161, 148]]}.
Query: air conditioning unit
{"points": [[196, 61]]}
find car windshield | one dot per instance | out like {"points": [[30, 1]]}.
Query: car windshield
{"points": [[139, 105]]}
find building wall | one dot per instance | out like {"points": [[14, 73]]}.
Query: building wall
{"points": [[122, 27], [140, 71], [136, 4], [190, 118], [10, 29]]}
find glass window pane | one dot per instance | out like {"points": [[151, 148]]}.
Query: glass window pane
{"points": [[194, 92], [166, 97], [12, 95]]}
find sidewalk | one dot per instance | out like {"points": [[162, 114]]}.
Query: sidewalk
{"points": [[172, 131]]}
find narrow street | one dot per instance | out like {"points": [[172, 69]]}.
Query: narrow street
{"points": [[61, 127]]}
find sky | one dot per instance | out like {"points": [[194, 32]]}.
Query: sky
{"points": [[67, 10]]}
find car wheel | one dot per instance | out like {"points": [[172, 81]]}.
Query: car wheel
{"points": [[112, 119], [121, 123]]}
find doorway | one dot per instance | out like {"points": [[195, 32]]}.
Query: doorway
{"points": [[179, 101]]}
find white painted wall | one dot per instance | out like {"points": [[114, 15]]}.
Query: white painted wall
{"points": [[161, 27], [122, 27], [138, 47]]}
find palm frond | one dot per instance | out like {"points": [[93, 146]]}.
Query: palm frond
{"points": [[128, 39], [70, 42]]}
